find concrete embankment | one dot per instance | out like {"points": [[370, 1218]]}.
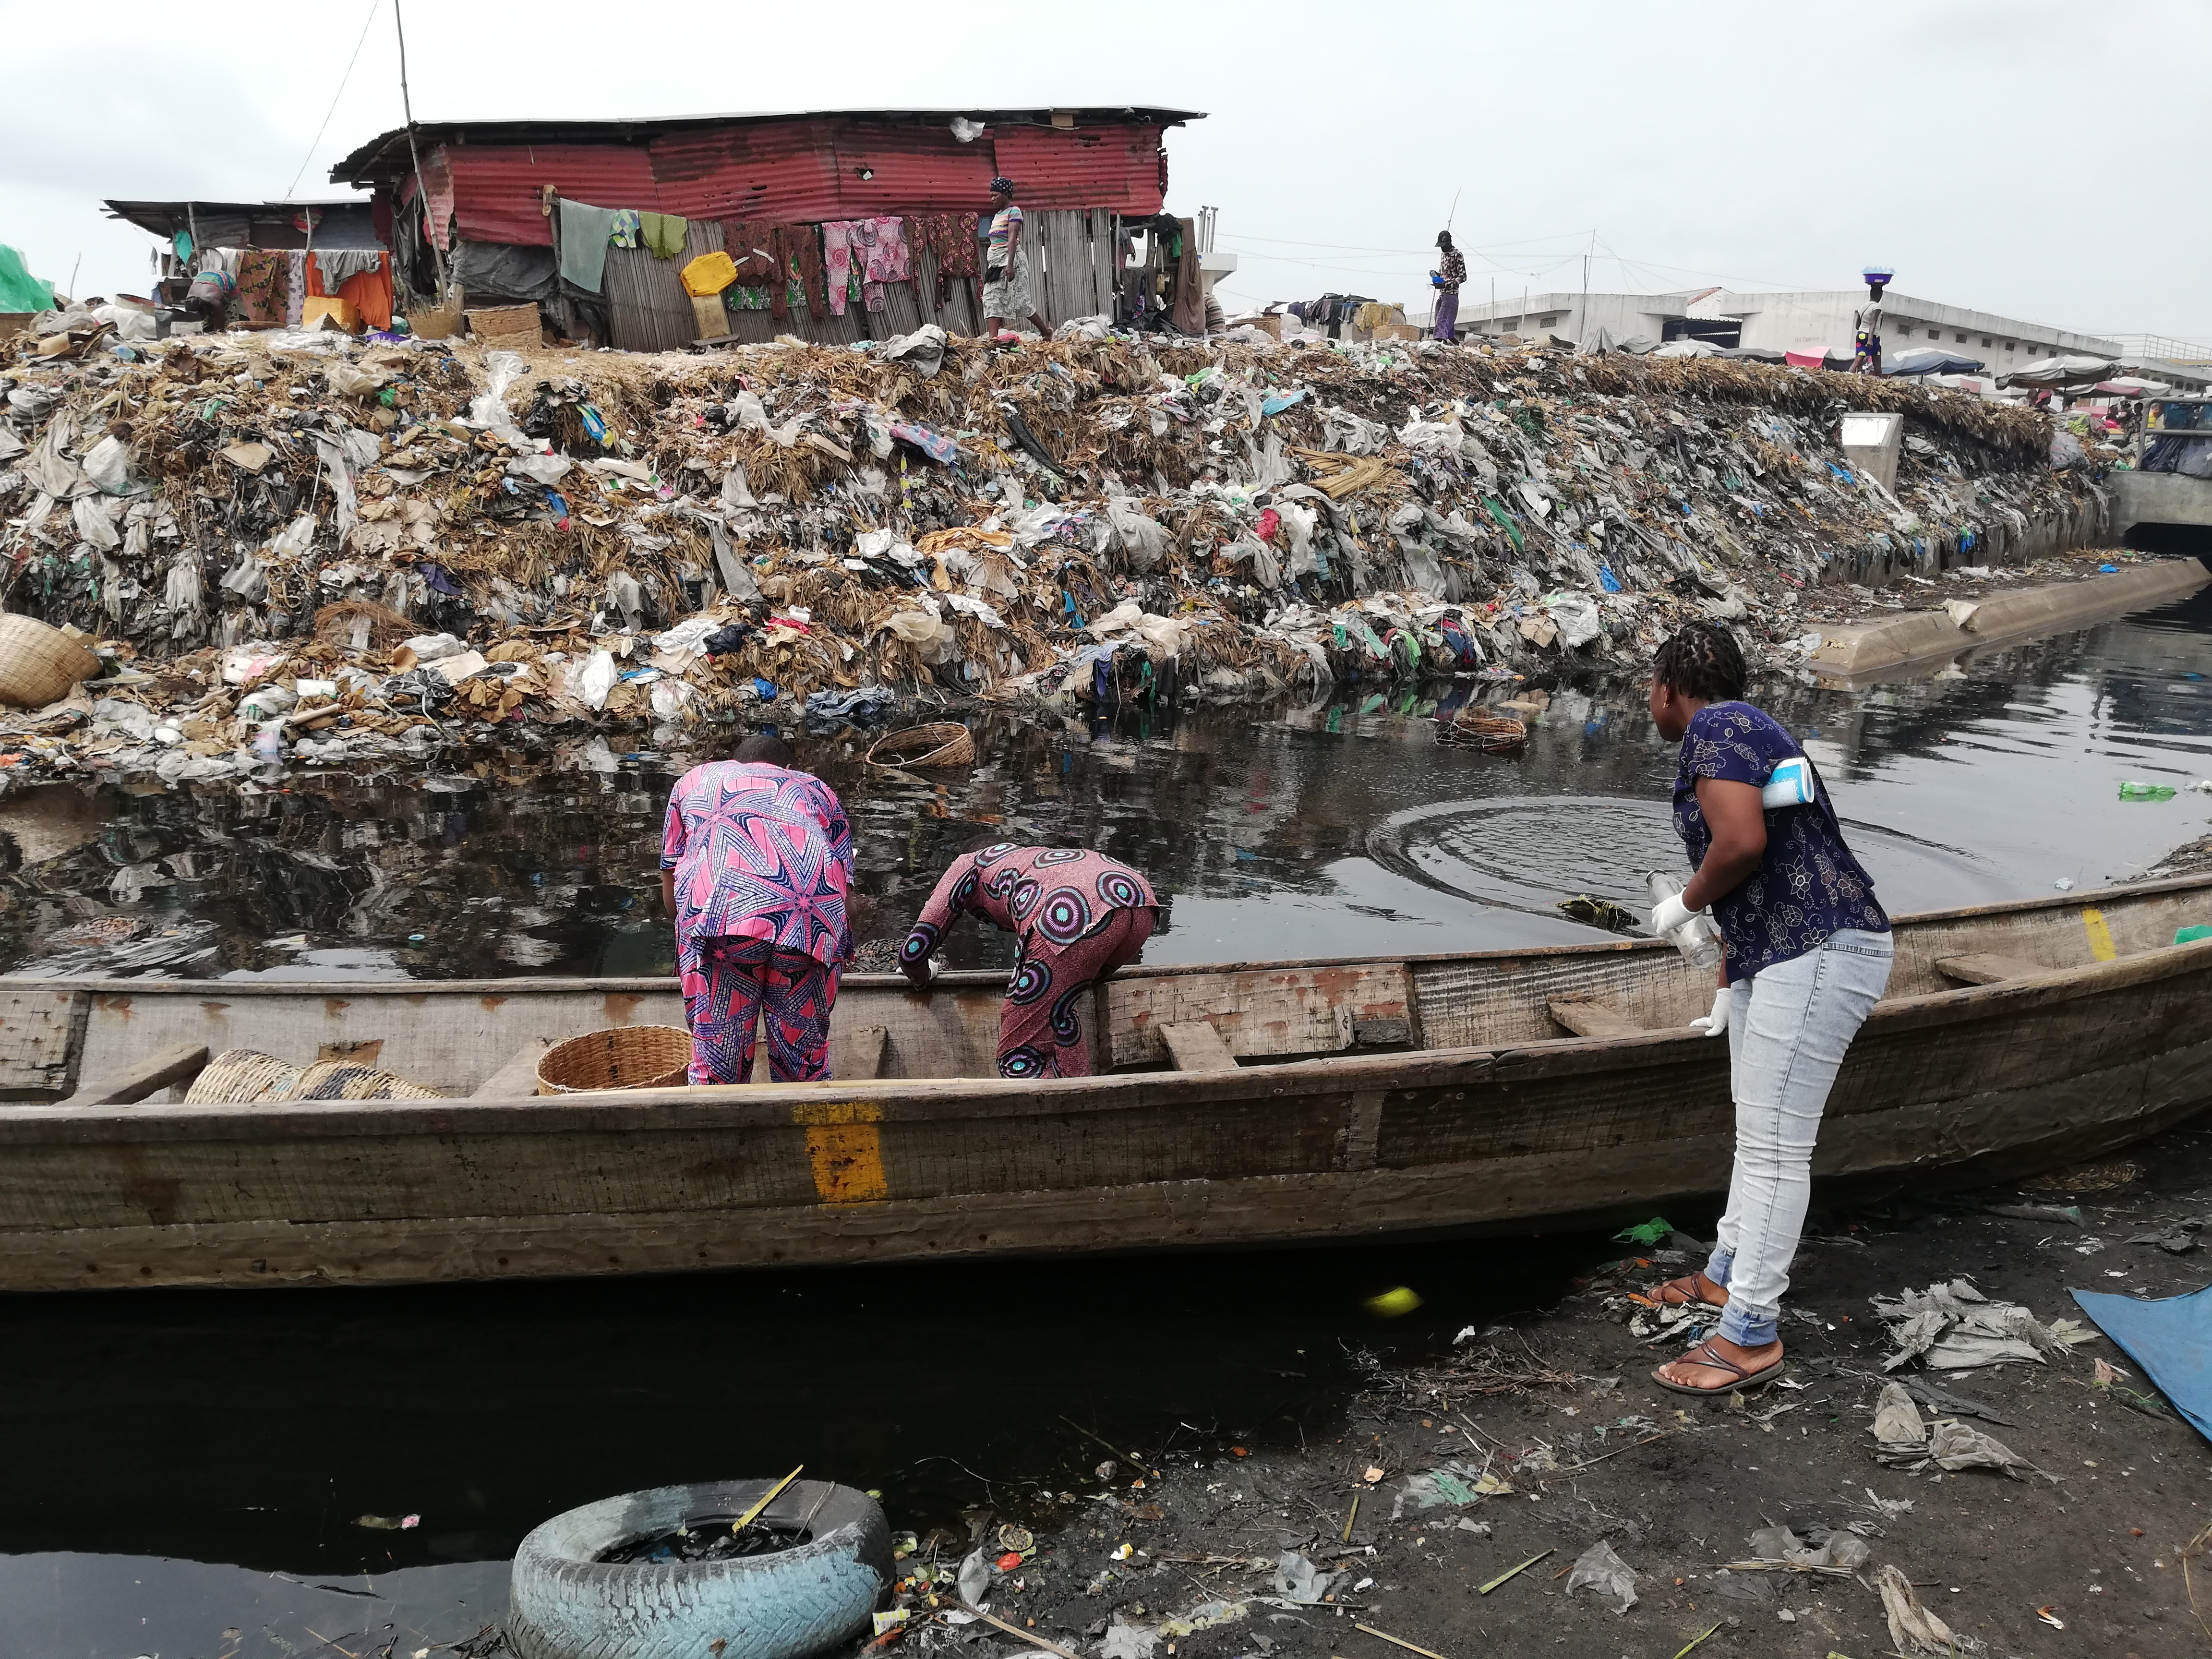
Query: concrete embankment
{"points": [[1857, 651]]}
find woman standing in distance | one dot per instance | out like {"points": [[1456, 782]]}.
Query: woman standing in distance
{"points": [[1807, 957]]}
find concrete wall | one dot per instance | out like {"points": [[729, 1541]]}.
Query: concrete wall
{"points": [[1822, 321], [1627, 316]]}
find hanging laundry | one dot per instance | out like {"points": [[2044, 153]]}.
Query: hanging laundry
{"points": [[950, 239], [840, 240], [295, 286], [798, 251], [339, 264], [262, 279], [710, 273], [889, 258], [623, 231], [663, 234], [749, 244], [584, 231]]}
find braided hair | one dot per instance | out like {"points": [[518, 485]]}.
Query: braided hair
{"points": [[1701, 660]]}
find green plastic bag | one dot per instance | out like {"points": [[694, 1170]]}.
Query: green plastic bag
{"points": [[19, 289]]}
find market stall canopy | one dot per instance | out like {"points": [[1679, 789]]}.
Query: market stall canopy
{"points": [[2061, 372], [1931, 360], [339, 224], [2127, 386]]}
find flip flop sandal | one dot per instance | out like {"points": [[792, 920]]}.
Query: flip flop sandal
{"points": [[1685, 1291], [1703, 1354]]}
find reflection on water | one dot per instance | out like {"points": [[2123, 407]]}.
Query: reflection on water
{"points": [[1342, 827]]}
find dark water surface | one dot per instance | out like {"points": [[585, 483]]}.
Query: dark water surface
{"points": [[177, 1466], [1340, 828]]}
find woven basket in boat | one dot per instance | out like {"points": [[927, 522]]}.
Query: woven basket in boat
{"points": [[238, 1075], [946, 744], [621, 1057], [39, 664], [348, 1079], [1494, 734]]}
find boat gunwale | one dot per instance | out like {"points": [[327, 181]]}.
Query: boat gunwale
{"points": [[980, 979], [918, 1100]]}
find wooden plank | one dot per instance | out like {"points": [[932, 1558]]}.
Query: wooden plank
{"points": [[41, 1037], [1286, 1010], [1197, 1047], [176, 1065], [1984, 969], [868, 1052], [1594, 1017], [518, 1076]]}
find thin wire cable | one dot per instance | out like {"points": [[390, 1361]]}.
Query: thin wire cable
{"points": [[332, 110], [1419, 252]]}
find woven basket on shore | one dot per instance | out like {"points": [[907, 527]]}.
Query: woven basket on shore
{"points": [[622, 1057], [39, 664], [946, 744], [240, 1075], [1476, 728]]}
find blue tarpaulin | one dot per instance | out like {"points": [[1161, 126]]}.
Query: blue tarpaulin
{"points": [[2170, 1337]]}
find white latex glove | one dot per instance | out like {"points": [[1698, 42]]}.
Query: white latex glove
{"points": [[936, 967], [1715, 1024], [1670, 913]]}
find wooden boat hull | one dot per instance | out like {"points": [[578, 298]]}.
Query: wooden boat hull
{"points": [[2109, 1041]]}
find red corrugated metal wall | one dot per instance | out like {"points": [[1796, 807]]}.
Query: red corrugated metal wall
{"points": [[1116, 167], [783, 172], [495, 186], [799, 171]]}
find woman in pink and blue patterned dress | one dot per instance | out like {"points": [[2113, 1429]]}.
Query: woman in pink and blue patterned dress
{"points": [[1078, 914], [756, 860]]}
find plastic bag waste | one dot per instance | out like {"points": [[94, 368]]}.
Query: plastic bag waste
{"points": [[1912, 1628], [1126, 1641], [1298, 1579], [1954, 1446], [545, 468], [923, 350], [591, 685], [107, 464], [1835, 1548], [428, 647], [488, 408], [1898, 1429], [1602, 1570], [929, 633]]}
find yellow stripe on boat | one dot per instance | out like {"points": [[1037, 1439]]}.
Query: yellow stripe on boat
{"points": [[2101, 936], [845, 1149]]}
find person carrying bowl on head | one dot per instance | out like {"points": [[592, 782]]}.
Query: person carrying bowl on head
{"points": [[1079, 915], [1806, 956], [756, 858]]}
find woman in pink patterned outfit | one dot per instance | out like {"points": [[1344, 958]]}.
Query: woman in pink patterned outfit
{"points": [[1078, 914], [756, 860]]}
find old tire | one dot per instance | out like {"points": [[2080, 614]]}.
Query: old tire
{"points": [[568, 1604]]}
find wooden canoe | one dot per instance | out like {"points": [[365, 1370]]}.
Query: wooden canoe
{"points": [[1237, 1104]]}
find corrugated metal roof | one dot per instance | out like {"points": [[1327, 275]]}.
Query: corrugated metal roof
{"points": [[495, 186], [385, 156], [254, 224], [781, 172], [1116, 167]]}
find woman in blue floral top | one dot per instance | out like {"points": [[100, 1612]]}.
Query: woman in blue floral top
{"points": [[1807, 957]]}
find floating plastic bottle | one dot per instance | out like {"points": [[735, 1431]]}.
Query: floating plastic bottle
{"points": [[2132, 790], [1698, 939]]}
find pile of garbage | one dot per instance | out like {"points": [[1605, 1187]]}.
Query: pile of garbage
{"points": [[303, 542]]}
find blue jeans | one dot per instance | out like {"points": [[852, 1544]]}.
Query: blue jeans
{"points": [[1789, 1025]]}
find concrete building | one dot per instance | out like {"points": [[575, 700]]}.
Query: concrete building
{"points": [[1811, 323]]}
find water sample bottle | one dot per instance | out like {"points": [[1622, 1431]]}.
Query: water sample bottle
{"points": [[1698, 939], [1790, 785]]}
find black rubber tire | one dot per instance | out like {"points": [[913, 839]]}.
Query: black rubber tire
{"points": [[568, 1604]]}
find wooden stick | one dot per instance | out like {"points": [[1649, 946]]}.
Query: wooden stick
{"points": [[1030, 1637], [1695, 1640], [1134, 1462], [1352, 1517], [1615, 1452], [772, 1494], [1511, 1573], [1399, 1640]]}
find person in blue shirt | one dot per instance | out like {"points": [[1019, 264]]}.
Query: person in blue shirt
{"points": [[1806, 957]]}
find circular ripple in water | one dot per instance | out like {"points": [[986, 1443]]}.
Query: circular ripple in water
{"points": [[1530, 852]]}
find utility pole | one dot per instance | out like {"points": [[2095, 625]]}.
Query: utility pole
{"points": [[422, 190], [1582, 317]]}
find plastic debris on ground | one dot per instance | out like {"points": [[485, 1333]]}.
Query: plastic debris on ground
{"points": [[678, 539], [1954, 1326]]}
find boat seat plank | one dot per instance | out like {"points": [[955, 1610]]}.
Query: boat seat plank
{"points": [[1594, 1017], [518, 1078], [1197, 1047], [1290, 1009], [125, 1088], [1977, 967]]}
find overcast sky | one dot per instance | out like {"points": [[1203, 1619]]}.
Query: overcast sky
{"points": [[1975, 144]]}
